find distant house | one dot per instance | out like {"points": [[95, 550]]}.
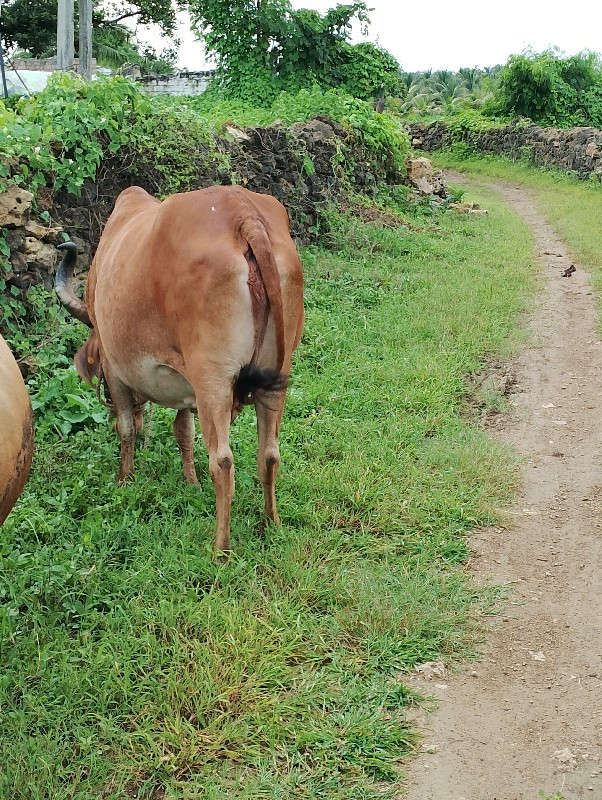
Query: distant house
{"points": [[30, 75]]}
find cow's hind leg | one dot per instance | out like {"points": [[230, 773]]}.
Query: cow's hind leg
{"points": [[269, 408], [215, 410], [122, 400], [183, 427]]}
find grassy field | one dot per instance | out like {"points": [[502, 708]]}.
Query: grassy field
{"points": [[136, 665], [572, 206]]}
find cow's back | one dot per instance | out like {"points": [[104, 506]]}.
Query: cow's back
{"points": [[16, 431], [161, 268]]}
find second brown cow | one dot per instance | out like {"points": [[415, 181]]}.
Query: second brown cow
{"points": [[195, 303], [16, 431]]}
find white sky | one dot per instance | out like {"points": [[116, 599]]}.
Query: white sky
{"points": [[442, 34]]}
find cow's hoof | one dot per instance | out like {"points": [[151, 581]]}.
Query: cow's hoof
{"points": [[268, 522], [222, 555]]}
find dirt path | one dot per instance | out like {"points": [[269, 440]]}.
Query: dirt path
{"points": [[529, 716]]}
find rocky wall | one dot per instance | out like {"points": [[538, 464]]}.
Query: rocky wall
{"points": [[188, 84], [32, 245], [577, 150], [303, 165]]}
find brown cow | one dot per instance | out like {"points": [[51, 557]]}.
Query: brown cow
{"points": [[16, 431], [195, 302]]}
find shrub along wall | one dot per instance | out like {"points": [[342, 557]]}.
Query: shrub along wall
{"points": [[302, 165], [573, 149], [73, 147]]}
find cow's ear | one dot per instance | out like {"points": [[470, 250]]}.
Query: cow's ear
{"points": [[87, 360]]}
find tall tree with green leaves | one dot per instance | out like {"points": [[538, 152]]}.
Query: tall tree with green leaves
{"points": [[264, 46], [242, 35]]}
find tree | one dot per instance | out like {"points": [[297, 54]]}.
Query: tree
{"points": [[242, 35], [30, 25], [264, 46], [312, 47]]}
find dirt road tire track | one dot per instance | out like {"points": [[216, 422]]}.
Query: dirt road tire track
{"points": [[529, 715]]}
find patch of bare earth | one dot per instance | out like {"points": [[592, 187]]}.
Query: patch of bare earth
{"points": [[529, 715]]}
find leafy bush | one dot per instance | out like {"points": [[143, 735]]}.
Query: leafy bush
{"points": [[550, 89], [383, 136], [58, 136], [547, 88], [468, 122], [176, 139], [43, 337], [41, 334], [62, 402], [366, 70]]}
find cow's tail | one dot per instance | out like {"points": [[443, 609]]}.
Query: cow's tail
{"points": [[253, 230], [252, 380], [63, 284]]}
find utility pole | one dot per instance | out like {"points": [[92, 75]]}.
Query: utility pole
{"points": [[85, 38], [4, 86], [64, 35]]}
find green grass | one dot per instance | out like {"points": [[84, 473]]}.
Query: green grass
{"points": [[572, 206], [556, 796], [136, 665]]}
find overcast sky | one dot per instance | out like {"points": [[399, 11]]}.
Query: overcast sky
{"points": [[441, 34]]}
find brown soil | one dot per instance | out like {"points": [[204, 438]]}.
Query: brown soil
{"points": [[529, 715]]}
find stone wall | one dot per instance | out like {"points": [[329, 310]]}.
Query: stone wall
{"points": [[303, 165], [32, 245], [42, 64], [183, 83], [576, 150]]}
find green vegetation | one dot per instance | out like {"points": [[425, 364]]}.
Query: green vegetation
{"points": [[384, 141], [261, 48], [444, 93], [266, 47], [548, 88], [58, 137], [556, 796], [572, 206], [134, 664], [551, 89]]}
